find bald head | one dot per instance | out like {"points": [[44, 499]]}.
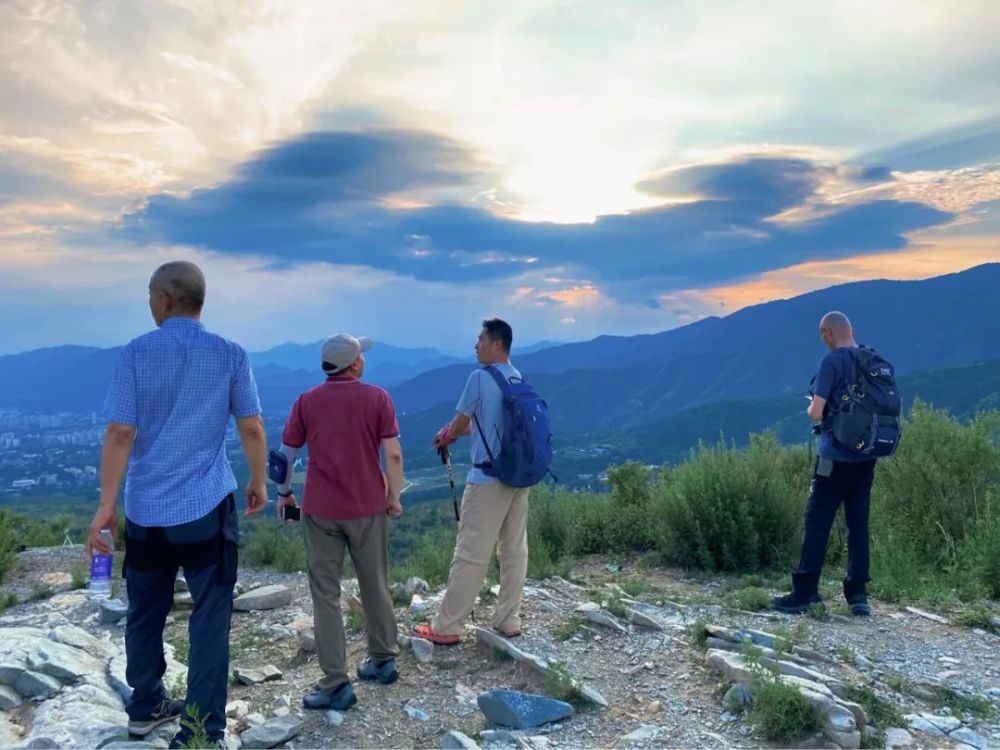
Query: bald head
{"points": [[183, 283], [836, 330]]}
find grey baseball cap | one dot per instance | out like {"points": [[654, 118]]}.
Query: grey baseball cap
{"points": [[340, 350]]}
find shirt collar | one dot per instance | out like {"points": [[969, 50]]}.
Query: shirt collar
{"points": [[181, 322]]}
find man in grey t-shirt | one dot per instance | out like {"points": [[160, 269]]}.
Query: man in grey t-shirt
{"points": [[492, 512]]}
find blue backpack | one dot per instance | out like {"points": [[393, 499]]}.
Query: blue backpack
{"points": [[866, 418], [525, 441]]}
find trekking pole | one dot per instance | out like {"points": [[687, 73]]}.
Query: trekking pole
{"points": [[446, 460]]}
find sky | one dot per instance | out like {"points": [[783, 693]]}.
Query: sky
{"points": [[403, 170]]}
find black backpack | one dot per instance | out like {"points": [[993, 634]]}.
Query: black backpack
{"points": [[865, 418]]}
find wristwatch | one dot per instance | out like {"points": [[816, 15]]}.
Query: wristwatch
{"points": [[285, 494]]}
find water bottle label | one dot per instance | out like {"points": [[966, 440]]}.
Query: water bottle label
{"points": [[100, 567]]}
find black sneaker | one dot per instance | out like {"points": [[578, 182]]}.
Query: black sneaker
{"points": [[385, 672], [168, 711], [794, 604], [859, 606]]}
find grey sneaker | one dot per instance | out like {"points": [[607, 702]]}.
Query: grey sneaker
{"points": [[167, 711], [385, 672], [340, 698]]}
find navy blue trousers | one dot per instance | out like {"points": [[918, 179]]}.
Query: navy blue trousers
{"points": [[206, 550], [849, 484]]}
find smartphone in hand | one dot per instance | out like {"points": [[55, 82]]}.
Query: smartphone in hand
{"points": [[291, 513]]}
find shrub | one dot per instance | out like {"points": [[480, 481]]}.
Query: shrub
{"points": [[274, 546], [781, 713], [560, 684], [430, 560], [730, 510], [751, 599]]}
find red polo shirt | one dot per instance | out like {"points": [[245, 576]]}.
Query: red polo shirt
{"points": [[343, 421]]}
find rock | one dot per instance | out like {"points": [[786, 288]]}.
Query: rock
{"points": [[606, 620], [81, 716], [255, 719], [237, 709], [416, 585], [737, 698], [334, 718], [415, 712], [307, 640], [588, 607], [36, 685], [265, 597], [129, 745], [896, 737], [399, 593], [969, 737], [8, 699], [257, 676], [354, 604], [273, 732], [423, 649], [282, 711], [184, 600], [521, 710], [500, 737], [845, 740], [180, 584], [418, 605], [645, 733], [465, 695], [642, 620], [458, 741], [933, 724], [112, 610], [403, 641], [283, 702], [654, 708]]}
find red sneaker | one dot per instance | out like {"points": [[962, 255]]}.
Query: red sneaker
{"points": [[427, 632]]}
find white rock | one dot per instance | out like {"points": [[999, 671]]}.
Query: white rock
{"points": [[458, 741], [276, 731], [605, 620], [641, 619], [265, 597], [415, 712], [334, 718], [588, 607], [644, 733], [969, 737], [897, 738], [416, 585], [237, 709]]}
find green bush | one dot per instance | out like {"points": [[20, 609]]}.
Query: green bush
{"points": [[730, 510], [8, 545], [271, 545], [751, 599], [781, 713], [430, 560]]}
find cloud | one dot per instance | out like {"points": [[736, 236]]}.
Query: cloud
{"points": [[949, 148], [368, 198]]}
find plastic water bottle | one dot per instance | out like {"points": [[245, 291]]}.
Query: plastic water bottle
{"points": [[100, 569]]}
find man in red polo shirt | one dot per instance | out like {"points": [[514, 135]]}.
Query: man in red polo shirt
{"points": [[346, 505]]}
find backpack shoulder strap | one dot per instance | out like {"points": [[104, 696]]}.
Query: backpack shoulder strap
{"points": [[502, 383]]}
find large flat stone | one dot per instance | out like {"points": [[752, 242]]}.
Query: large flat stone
{"points": [[9, 699], [521, 710], [82, 716], [37, 685], [265, 597], [272, 732], [458, 741]]}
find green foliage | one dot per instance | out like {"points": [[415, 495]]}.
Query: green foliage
{"points": [[354, 622], [936, 511], [560, 683], [8, 544], [978, 616], [8, 600], [698, 630], [430, 560], [751, 599], [79, 577], [500, 654], [882, 713], [272, 545], [731, 510], [194, 722], [566, 630], [39, 591], [961, 703], [781, 713]]}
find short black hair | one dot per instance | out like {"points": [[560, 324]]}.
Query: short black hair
{"points": [[499, 330]]}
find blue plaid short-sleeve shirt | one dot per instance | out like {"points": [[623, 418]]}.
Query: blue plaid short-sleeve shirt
{"points": [[178, 386]]}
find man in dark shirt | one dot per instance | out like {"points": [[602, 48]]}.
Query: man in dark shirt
{"points": [[840, 476]]}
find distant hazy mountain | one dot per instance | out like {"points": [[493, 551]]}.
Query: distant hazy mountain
{"points": [[385, 364], [613, 382], [759, 351]]}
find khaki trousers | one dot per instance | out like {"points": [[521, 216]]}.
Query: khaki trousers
{"points": [[491, 514], [367, 541]]}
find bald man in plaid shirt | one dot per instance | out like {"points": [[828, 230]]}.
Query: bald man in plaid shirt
{"points": [[173, 393]]}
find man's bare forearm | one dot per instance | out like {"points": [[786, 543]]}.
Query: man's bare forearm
{"points": [[394, 473], [114, 460], [253, 438]]}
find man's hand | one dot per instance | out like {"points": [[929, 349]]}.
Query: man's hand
{"points": [[443, 437], [284, 502], [105, 518], [395, 509], [256, 498]]}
